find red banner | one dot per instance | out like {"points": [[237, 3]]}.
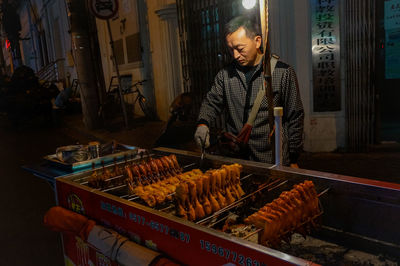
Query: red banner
{"points": [[180, 239]]}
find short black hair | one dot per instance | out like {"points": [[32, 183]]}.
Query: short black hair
{"points": [[250, 25]]}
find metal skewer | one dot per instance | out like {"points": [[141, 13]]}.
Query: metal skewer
{"points": [[252, 233], [323, 192], [218, 221], [108, 179], [113, 188], [167, 208], [188, 165], [245, 177]]}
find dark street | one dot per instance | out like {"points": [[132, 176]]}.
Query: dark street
{"points": [[25, 198]]}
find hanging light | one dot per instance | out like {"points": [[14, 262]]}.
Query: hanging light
{"points": [[249, 4]]}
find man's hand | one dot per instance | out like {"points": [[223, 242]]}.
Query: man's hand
{"points": [[202, 136]]}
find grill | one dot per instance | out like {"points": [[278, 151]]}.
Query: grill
{"points": [[351, 211]]}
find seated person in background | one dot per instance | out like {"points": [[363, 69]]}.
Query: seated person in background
{"points": [[63, 96]]}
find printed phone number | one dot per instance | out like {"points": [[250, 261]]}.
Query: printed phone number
{"points": [[229, 254], [184, 237]]}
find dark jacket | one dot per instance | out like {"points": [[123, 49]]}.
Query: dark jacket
{"points": [[230, 91]]}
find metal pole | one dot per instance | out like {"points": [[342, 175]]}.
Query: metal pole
{"points": [[118, 75], [264, 18], [278, 113], [81, 46]]}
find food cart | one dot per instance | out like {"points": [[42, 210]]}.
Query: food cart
{"points": [[355, 213]]}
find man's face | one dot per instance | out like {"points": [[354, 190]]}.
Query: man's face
{"points": [[243, 48]]}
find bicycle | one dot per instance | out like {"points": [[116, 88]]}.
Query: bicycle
{"points": [[140, 98], [113, 98]]}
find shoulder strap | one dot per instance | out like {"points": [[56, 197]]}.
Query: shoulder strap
{"points": [[274, 60], [261, 93]]}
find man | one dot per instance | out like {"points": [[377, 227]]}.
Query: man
{"points": [[236, 87]]}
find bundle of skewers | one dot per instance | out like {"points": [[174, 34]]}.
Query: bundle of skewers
{"points": [[143, 173], [293, 211], [154, 180], [105, 177], [201, 194]]}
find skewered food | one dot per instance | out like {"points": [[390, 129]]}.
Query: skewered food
{"points": [[146, 178], [99, 180], [198, 194], [157, 178], [288, 213], [208, 192]]}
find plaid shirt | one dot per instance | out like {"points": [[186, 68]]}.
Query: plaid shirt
{"points": [[229, 93]]}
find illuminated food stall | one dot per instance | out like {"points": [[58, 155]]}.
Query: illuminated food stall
{"points": [[230, 211]]}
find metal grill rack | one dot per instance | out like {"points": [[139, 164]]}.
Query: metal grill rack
{"points": [[259, 187]]}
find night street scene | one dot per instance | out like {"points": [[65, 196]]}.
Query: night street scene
{"points": [[200, 132]]}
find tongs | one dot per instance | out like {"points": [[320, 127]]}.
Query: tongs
{"points": [[203, 151]]}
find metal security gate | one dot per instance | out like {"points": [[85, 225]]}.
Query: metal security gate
{"points": [[201, 26], [360, 73]]}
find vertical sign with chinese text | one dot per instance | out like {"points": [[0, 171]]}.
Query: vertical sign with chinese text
{"points": [[326, 55], [392, 44]]}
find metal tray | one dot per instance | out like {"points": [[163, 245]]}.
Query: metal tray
{"points": [[122, 152]]}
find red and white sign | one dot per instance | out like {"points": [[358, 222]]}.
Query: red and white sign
{"points": [[104, 9]]}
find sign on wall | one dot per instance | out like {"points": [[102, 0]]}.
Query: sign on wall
{"points": [[104, 9], [326, 55], [392, 14], [392, 37]]}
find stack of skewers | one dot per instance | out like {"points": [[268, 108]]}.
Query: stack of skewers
{"points": [[144, 173], [293, 211], [202, 194]]}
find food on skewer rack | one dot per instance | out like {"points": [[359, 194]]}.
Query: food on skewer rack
{"points": [[202, 194], [144, 173], [155, 180], [233, 226], [156, 192], [99, 179], [293, 211]]}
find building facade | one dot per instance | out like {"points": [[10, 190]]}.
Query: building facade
{"points": [[146, 43], [45, 40], [154, 40]]}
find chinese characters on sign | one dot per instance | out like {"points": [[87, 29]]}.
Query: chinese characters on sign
{"points": [[392, 14], [392, 37], [326, 55]]}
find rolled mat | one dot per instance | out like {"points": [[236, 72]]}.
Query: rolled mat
{"points": [[107, 241]]}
